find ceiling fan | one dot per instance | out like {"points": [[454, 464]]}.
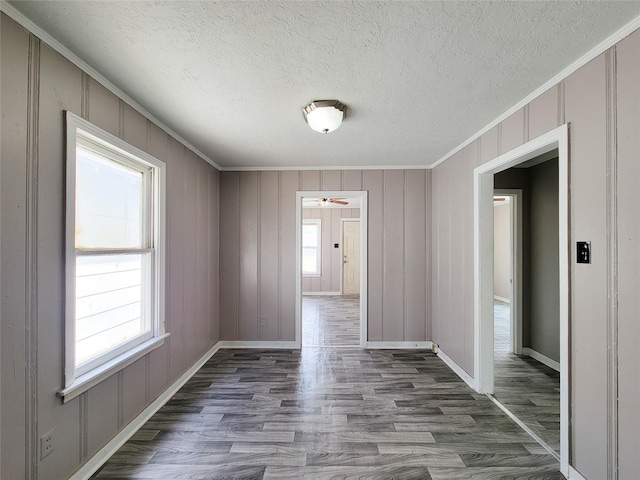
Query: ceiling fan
{"points": [[338, 201]]}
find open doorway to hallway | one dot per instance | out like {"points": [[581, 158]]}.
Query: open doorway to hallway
{"points": [[332, 253], [553, 144], [526, 278]]}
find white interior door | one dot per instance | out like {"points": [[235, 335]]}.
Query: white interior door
{"points": [[351, 257]]}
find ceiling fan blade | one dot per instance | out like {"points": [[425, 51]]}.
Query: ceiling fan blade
{"points": [[339, 202]]}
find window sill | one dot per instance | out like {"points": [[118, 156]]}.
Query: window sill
{"points": [[90, 379], [311, 274]]}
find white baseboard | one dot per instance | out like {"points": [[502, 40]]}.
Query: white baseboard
{"points": [[457, 369], [541, 358], [256, 344], [95, 462], [399, 345], [574, 474], [322, 293], [501, 299]]}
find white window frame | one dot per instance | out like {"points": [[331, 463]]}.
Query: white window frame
{"points": [[318, 223], [80, 379]]}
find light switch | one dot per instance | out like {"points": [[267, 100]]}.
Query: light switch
{"points": [[584, 252]]}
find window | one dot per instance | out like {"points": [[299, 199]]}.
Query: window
{"points": [[114, 255], [311, 236]]}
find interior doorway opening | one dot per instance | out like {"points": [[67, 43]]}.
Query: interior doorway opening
{"points": [[331, 264], [484, 374]]}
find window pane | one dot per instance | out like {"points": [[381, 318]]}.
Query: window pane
{"points": [[309, 260], [109, 302], [108, 203], [309, 235]]}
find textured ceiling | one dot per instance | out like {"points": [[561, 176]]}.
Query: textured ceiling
{"points": [[419, 78]]}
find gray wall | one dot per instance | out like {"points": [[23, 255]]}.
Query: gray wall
{"points": [[542, 279], [502, 251], [331, 270], [258, 240], [600, 102], [37, 85]]}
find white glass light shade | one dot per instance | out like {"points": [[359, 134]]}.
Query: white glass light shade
{"points": [[324, 116]]}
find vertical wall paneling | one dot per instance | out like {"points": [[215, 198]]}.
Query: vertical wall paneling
{"points": [[38, 85], [289, 184], [175, 259], [512, 131], [249, 228], [352, 180], [202, 257], [543, 113], [230, 261], [612, 267], [470, 160], [586, 110], [269, 269], [310, 180], [214, 255], [627, 115], [489, 146], [415, 247], [373, 183], [331, 180], [393, 256], [60, 88], [428, 299], [16, 97]]}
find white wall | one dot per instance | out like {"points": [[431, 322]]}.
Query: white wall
{"points": [[502, 251]]}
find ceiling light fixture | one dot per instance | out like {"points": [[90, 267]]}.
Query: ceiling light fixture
{"points": [[324, 116]]}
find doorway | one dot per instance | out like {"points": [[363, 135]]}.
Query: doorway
{"points": [[331, 298], [484, 258]]}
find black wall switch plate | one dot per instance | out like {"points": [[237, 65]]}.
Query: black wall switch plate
{"points": [[584, 252]]}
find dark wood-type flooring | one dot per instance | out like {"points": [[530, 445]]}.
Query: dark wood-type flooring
{"points": [[527, 388], [321, 413]]}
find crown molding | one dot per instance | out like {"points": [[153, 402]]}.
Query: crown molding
{"points": [[39, 32], [599, 49], [337, 167]]}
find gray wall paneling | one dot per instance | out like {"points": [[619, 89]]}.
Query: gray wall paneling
{"points": [[628, 282], [267, 284], [15, 97], [37, 86], [600, 102]]}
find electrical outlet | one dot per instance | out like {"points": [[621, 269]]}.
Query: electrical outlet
{"points": [[46, 444], [263, 321]]}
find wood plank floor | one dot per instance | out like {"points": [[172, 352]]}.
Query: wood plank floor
{"points": [[331, 320], [321, 413], [527, 388]]}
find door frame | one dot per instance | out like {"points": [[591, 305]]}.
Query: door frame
{"points": [[362, 196], [342, 220], [483, 265], [515, 252]]}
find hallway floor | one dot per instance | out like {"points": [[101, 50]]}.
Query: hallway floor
{"points": [[321, 413], [330, 321], [528, 388]]}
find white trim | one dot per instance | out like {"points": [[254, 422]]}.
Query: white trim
{"points": [[95, 462], [501, 299], [318, 168], [363, 196], [516, 254], [541, 358], [320, 293], [256, 344], [525, 427], [399, 345], [80, 131], [571, 68], [457, 369], [97, 76], [575, 475], [483, 263], [96, 375]]}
